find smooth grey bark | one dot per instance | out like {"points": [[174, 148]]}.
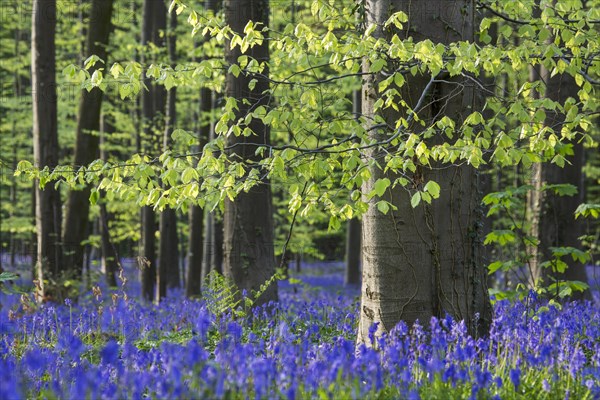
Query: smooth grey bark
{"points": [[17, 86], [153, 109], [168, 260], [353, 246], [196, 252], [426, 261], [109, 258], [147, 256], [218, 244], [48, 210], [248, 253], [193, 282], [557, 226], [200, 227], [87, 140], [551, 217], [353, 233]]}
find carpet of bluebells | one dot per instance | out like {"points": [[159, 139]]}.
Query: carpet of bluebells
{"points": [[110, 345]]}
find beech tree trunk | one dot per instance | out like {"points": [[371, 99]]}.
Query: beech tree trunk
{"points": [[109, 258], [353, 226], [198, 250], [248, 252], [48, 214], [424, 261], [87, 140], [168, 260], [153, 110], [551, 217], [557, 226]]}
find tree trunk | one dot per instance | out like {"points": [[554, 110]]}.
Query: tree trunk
{"points": [[353, 239], [48, 213], [557, 224], [109, 258], [200, 228], [87, 140], [424, 261], [248, 252], [168, 259], [197, 253], [217, 240], [353, 233], [153, 108], [535, 197]]}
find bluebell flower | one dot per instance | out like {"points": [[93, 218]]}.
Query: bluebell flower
{"points": [[515, 377], [110, 353], [372, 330]]}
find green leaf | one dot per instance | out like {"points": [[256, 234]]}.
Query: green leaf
{"points": [[125, 90], [91, 61], [378, 65], [433, 189], [587, 210], [116, 70], [415, 200], [562, 189], [97, 78], [235, 70], [379, 188], [94, 196], [383, 206], [8, 276], [188, 175]]}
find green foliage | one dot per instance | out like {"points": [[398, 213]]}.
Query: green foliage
{"points": [[509, 209], [320, 152], [588, 210], [7, 284], [220, 294], [312, 110], [223, 297]]}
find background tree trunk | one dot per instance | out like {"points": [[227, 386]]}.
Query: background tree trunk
{"points": [[551, 217], [168, 260], [248, 252], [153, 108], [197, 248], [200, 228], [109, 258], [353, 234], [87, 140], [424, 261], [48, 208], [557, 224]]}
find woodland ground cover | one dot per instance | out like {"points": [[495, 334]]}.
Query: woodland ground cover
{"points": [[112, 346]]}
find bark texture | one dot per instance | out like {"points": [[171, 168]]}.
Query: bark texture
{"points": [[200, 227], [48, 207], [196, 252], [426, 261], [87, 140], [557, 226], [168, 261], [109, 258], [353, 234], [248, 253], [153, 111]]}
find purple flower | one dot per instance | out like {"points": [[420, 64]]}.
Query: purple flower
{"points": [[515, 377], [546, 386], [110, 353]]}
